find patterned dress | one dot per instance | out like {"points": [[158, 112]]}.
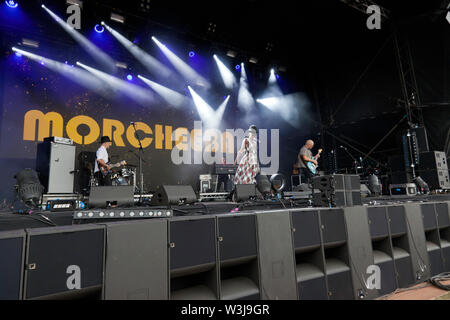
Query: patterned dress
{"points": [[248, 166]]}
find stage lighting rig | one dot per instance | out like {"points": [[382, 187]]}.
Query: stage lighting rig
{"points": [[75, 2], [12, 4], [118, 18]]}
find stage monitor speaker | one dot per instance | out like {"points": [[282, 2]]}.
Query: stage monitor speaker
{"points": [[55, 163], [276, 256], [64, 263], [174, 195], [244, 192], [104, 197], [136, 266], [12, 248]]}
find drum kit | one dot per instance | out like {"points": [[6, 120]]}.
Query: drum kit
{"points": [[124, 177]]}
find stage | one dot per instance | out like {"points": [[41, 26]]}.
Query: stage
{"points": [[265, 250]]}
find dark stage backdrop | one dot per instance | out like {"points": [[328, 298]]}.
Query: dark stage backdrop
{"points": [[38, 103]]}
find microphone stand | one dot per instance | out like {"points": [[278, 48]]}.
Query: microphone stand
{"points": [[141, 152]]}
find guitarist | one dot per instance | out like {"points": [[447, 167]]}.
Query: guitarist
{"points": [[102, 169], [305, 156]]}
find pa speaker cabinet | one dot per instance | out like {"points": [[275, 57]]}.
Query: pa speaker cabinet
{"points": [[436, 179], [238, 253], [434, 160], [360, 251], [418, 243], [174, 195], [244, 192], [12, 250], [276, 256], [55, 163], [193, 259], [136, 266], [309, 256], [104, 197], [382, 248], [64, 262]]}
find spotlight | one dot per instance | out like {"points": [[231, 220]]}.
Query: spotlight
{"points": [[129, 77], [30, 43], [118, 18], [12, 3], [232, 54], [29, 188], [75, 2], [238, 67], [253, 60], [99, 29], [121, 65], [192, 54]]}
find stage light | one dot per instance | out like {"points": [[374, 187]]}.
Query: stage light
{"points": [[182, 67], [150, 63], [288, 107], [129, 77], [246, 101], [211, 118], [192, 54], [253, 60], [30, 43], [170, 96], [117, 18], [228, 77], [232, 54], [87, 45], [140, 95], [18, 54], [75, 2], [29, 188], [12, 4], [238, 67], [99, 29], [121, 65]]}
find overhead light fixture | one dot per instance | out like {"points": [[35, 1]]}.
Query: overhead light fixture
{"points": [[121, 65], [118, 18], [232, 54], [11, 3], [30, 43], [253, 60], [75, 2]]}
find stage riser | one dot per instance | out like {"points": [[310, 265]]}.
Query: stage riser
{"points": [[298, 254]]}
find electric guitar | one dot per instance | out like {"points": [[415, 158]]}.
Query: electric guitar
{"points": [[105, 171], [311, 166]]}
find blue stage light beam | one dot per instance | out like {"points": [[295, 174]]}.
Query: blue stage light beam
{"points": [[211, 119], [182, 67], [172, 97], [142, 96], [229, 80], [87, 45], [246, 101], [79, 76], [150, 63]]}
